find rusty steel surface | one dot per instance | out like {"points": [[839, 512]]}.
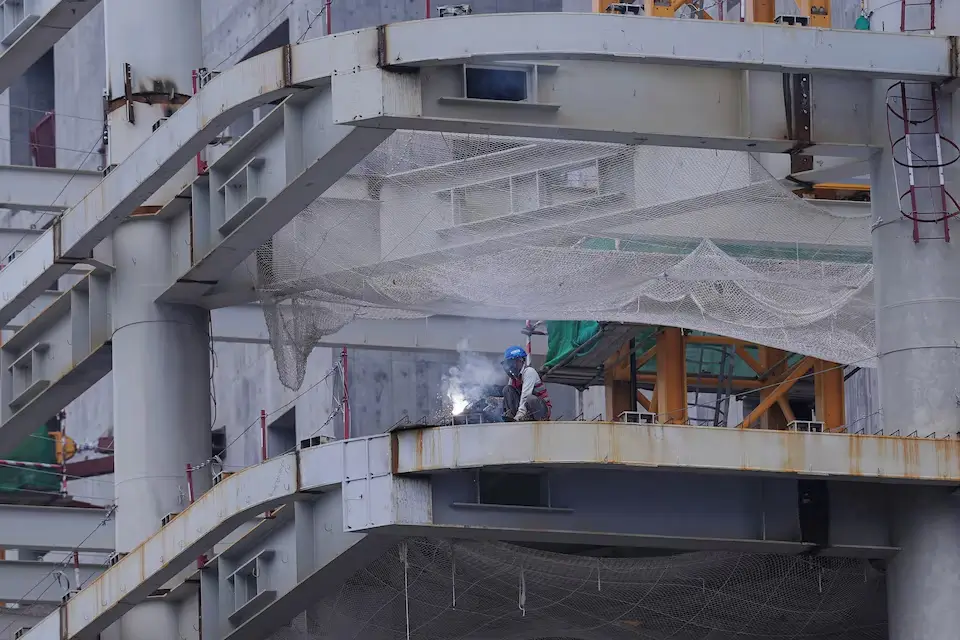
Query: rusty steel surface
{"points": [[677, 447]]}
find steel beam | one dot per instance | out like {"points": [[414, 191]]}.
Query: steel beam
{"points": [[43, 189], [587, 506], [75, 235], [138, 574], [246, 325], [767, 47], [41, 26], [820, 455], [56, 529], [43, 582], [307, 148], [54, 358], [740, 118], [357, 56]]}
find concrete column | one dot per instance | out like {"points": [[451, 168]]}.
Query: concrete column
{"points": [[161, 353], [917, 298], [922, 585]]}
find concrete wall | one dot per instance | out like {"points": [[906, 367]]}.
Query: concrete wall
{"points": [[31, 97], [80, 66]]}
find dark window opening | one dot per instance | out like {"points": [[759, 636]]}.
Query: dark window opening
{"points": [[496, 84], [513, 489]]}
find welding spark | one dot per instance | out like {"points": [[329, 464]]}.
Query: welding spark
{"points": [[458, 403]]}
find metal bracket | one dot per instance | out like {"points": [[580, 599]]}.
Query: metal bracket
{"points": [[128, 92]]}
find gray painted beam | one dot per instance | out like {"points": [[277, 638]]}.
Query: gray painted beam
{"points": [[55, 529], [736, 511], [57, 356], [681, 447], [325, 556], [246, 325], [43, 189], [45, 582]]}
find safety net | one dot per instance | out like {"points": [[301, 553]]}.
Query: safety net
{"points": [[433, 589], [514, 228]]}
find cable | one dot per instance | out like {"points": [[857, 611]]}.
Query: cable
{"points": [[52, 112], [58, 567], [266, 26]]}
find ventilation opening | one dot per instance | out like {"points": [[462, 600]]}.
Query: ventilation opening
{"points": [[485, 83], [512, 489]]}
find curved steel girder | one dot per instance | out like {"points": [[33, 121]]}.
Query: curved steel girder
{"points": [[377, 464]]}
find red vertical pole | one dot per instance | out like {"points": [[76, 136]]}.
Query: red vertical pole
{"points": [[720, 10], [329, 19], [263, 435], [346, 397], [428, 8]]}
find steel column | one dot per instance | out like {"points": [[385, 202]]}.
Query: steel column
{"points": [[918, 343], [161, 361], [671, 385]]}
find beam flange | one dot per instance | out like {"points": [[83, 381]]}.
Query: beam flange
{"points": [[679, 447], [246, 325], [44, 189], [56, 529], [740, 45], [43, 582], [740, 117]]}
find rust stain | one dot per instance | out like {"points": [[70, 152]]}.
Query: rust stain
{"points": [[537, 444], [948, 458], [795, 445], [394, 453], [910, 451], [615, 455], [855, 454], [418, 462]]}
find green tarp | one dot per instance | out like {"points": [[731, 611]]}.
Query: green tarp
{"points": [[38, 447], [566, 336]]}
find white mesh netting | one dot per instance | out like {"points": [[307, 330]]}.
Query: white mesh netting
{"points": [[485, 591], [513, 228]]}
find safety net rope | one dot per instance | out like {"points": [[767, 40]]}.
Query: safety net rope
{"points": [[429, 589], [515, 228]]}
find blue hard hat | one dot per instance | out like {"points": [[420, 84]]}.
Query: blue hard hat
{"points": [[514, 353]]}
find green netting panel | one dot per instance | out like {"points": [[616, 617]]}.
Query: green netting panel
{"points": [[566, 336], [38, 447]]}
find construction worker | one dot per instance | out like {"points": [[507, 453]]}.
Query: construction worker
{"points": [[525, 397]]}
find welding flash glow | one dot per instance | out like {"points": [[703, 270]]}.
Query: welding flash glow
{"points": [[458, 402]]}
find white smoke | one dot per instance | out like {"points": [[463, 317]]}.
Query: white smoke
{"points": [[468, 380]]}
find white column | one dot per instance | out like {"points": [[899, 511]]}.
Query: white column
{"points": [[161, 41], [918, 340], [161, 353]]}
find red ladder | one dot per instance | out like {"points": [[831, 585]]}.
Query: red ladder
{"points": [[919, 154], [918, 16]]}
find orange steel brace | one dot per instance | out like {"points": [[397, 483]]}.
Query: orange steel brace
{"points": [[779, 392], [829, 396], [774, 363], [671, 384]]}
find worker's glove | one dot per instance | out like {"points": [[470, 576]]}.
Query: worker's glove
{"points": [[521, 415]]}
